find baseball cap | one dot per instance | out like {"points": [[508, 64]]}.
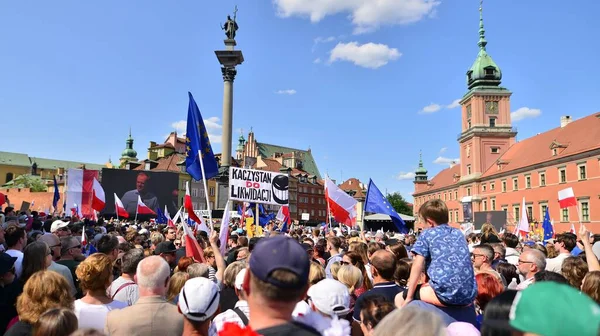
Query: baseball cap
{"points": [[239, 279], [199, 299], [165, 247], [330, 296], [575, 311], [279, 253], [6, 262], [58, 224]]}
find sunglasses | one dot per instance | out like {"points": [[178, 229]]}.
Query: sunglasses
{"points": [[344, 263]]}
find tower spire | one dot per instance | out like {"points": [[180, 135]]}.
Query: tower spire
{"points": [[482, 42]]}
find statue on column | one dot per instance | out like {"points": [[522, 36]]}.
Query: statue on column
{"points": [[231, 26]]}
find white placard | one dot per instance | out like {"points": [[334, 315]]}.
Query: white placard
{"points": [[258, 186]]}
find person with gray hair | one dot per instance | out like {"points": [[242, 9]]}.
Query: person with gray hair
{"points": [[151, 314], [198, 270], [410, 321], [124, 287], [531, 261]]}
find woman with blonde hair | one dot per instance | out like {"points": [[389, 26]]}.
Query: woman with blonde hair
{"points": [[354, 259], [228, 297], [95, 276], [175, 285], [352, 277], [316, 273], [43, 291], [489, 234], [56, 322]]}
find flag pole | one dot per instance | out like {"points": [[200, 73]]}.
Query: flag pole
{"points": [[117, 210], [200, 157], [257, 219]]}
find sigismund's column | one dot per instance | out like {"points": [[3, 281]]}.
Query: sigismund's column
{"points": [[229, 59]]}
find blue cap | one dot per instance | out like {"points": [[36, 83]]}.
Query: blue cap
{"points": [[7, 262], [279, 253]]}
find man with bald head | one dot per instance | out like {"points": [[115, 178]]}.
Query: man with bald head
{"points": [[54, 244], [151, 314], [531, 261], [383, 266]]}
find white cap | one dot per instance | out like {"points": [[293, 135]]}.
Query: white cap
{"points": [[57, 224], [330, 297], [143, 231], [239, 279], [199, 299]]}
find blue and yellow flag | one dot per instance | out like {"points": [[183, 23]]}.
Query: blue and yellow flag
{"points": [[377, 203], [198, 145]]}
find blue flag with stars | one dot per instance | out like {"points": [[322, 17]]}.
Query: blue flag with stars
{"points": [[547, 226], [377, 203], [198, 145]]}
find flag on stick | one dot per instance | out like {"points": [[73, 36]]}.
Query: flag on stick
{"points": [[119, 208], [377, 203], [566, 198]]}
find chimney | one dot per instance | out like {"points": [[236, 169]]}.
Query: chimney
{"points": [[565, 120]]}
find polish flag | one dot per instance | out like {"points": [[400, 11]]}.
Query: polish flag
{"points": [[572, 230], [142, 209], [80, 189], [83, 239], [120, 209], [169, 220], [524, 221], [192, 248], [341, 205], [566, 198], [224, 233], [283, 215], [189, 207], [98, 199]]}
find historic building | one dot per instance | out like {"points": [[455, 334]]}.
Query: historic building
{"points": [[358, 190], [495, 171]]}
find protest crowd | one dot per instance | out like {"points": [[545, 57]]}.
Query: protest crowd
{"points": [[71, 276]]}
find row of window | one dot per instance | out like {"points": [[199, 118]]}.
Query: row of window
{"points": [[195, 192], [562, 178], [320, 213], [584, 208], [304, 199], [307, 190]]}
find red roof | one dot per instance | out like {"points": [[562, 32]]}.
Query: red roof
{"points": [[578, 136], [274, 166], [443, 179], [168, 163], [353, 184]]}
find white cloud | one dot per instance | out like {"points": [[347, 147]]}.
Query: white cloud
{"points": [[431, 108], [443, 150], [446, 161], [454, 104], [317, 60], [525, 112], [324, 39], [405, 176], [286, 92], [366, 15], [212, 126], [369, 55]]}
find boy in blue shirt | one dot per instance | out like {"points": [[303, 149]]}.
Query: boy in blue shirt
{"points": [[443, 252]]}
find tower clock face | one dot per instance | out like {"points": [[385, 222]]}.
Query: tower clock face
{"points": [[491, 107]]}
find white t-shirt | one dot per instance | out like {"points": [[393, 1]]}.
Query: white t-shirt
{"points": [[94, 316], [555, 264], [19, 262], [129, 293]]}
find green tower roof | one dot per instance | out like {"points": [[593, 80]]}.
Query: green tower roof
{"points": [[421, 170], [484, 71], [129, 152]]}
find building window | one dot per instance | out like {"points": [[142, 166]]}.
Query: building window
{"points": [[456, 195], [542, 179], [492, 122], [492, 186], [194, 192], [483, 187], [582, 172], [468, 191], [312, 200], [495, 150], [554, 152], [469, 123], [493, 204], [505, 208], [451, 221], [444, 196], [484, 205], [468, 169], [503, 186], [515, 184], [9, 177], [517, 213], [456, 219], [565, 215], [562, 175], [528, 182], [211, 191], [585, 211], [530, 212]]}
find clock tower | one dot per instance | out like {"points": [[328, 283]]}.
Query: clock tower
{"points": [[486, 131]]}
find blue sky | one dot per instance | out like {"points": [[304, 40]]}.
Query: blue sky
{"points": [[345, 78]]}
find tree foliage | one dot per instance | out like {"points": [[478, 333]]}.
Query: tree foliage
{"points": [[400, 204], [34, 183]]}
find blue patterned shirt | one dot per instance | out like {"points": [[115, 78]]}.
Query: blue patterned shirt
{"points": [[448, 264]]}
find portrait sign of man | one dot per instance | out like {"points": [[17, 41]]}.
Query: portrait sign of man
{"points": [[130, 198]]}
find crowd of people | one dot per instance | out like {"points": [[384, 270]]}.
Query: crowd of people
{"points": [[63, 276]]}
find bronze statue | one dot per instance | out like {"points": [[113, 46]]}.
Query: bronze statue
{"points": [[231, 26]]}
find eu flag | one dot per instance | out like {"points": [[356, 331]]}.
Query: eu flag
{"points": [[56, 194], [547, 226], [377, 203], [160, 216], [198, 145]]}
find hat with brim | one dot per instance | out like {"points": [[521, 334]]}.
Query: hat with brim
{"points": [[165, 247], [6, 262], [57, 225]]}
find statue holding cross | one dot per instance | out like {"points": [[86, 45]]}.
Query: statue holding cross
{"points": [[231, 26]]}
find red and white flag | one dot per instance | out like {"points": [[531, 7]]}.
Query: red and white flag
{"points": [[566, 198], [192, 248], [341, 205], [120, 209], [142, 209], [80, 186], [83, 239], [224, 233], [572, 230], [189, 206], [283, 215], [168, 216], [524, 221], [98, 199]]}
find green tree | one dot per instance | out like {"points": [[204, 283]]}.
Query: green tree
{"points": [[34, 183], [400, 204]]}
